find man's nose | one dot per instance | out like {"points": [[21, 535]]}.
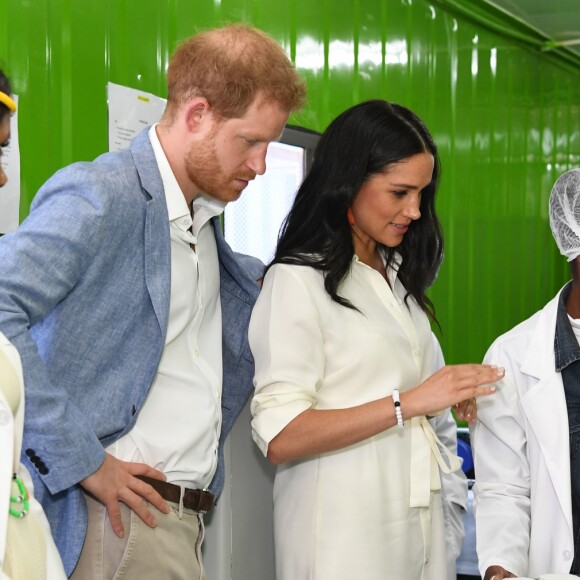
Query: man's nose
{"points": [[257, 162]]}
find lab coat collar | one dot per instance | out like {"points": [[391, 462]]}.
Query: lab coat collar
{"points": [[539, 361], [544, 404]]}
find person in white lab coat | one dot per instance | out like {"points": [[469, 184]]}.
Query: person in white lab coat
{"points": [[526, 440], [27, 550], [344, 359]]}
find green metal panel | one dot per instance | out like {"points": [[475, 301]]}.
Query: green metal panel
{"points": [[506, 117]]}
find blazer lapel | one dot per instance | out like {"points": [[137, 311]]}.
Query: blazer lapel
{"points": [[236, 279], [156, 234]]}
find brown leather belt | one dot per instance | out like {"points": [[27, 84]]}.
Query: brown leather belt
{"points": [[198, 500]]}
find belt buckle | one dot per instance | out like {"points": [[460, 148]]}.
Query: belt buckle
{"points": [[201, 495]]}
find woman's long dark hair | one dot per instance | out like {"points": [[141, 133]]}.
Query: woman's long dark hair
{"points": [[362, 142]]}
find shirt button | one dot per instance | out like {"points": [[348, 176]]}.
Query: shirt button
{"points": [[567, 555], [416, 352], [196, 352]]}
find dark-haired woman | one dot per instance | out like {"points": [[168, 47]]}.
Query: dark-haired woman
{"points": [[344, 354], [27, 550]]}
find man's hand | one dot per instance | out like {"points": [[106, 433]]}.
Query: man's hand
{"points": [[497, 573], [115, 481]]}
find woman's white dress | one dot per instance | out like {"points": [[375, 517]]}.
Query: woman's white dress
{"points": [[371, 511]]}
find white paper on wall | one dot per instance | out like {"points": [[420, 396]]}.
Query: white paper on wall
{"points": [[130, 111]]}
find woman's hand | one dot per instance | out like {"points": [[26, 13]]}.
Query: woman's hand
{"points": [[449, 386], [317, 431]]}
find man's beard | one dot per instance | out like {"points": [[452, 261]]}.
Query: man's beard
{"points": [[204, 169]]}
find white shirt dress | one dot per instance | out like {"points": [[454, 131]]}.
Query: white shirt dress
{"points": [[372, 510]]}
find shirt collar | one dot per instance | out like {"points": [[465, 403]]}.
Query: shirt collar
{"points": [[176, 204], [204, 208], [566, 348], [393, 269]]}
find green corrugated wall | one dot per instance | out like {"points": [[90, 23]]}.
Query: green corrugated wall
{"points": [[506, 118]]}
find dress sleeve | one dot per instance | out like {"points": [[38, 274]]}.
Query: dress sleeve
{"points": [[286, 341]]}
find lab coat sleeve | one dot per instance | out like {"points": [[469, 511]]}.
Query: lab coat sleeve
{"points": [[502, 472]]}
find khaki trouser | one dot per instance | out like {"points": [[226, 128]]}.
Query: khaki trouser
{"points": [[171, 551]]}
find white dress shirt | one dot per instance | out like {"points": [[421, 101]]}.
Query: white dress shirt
{"points": [[178, 427]]}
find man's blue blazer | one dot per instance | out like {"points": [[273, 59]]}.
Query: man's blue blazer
{"points": [[84, 296]]}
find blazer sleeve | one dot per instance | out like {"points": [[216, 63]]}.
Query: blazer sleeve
{"points": [[502, 473], [254, 266], [40, 264]]}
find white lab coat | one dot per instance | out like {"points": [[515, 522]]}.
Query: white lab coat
{"points": [[11, 441], [523, 508]]}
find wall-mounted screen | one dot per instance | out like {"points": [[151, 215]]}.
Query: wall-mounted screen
{"points": [[252, 223]]}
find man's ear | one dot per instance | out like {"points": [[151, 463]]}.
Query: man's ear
{"points": [[197, 113]]}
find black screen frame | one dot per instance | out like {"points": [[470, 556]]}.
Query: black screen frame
{"points": [[307, 139]]}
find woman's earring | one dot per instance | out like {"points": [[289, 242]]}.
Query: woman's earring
{"points": [[350, 216]]}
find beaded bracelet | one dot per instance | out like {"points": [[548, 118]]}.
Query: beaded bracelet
{"points": [[398, 412], [20, 499]]}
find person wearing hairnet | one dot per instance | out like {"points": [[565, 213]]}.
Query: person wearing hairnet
{"points": [[526, 439]]}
